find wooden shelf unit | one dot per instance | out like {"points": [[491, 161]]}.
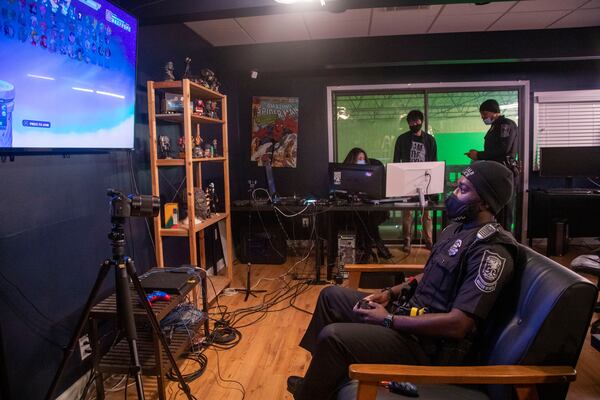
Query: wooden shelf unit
{"points": [[193, 169]]}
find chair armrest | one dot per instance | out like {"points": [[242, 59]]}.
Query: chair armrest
{"points": [[487, 374], [355, 270]]}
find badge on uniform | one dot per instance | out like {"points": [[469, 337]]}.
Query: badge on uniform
{"points": [[454, 248], [490, 270]]}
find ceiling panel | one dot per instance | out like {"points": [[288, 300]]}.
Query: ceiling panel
{"points": [[326, 25], [221, 32], [403, 21], [463, 23], [581, 17], [529, 20], [275, 28], [547, 5], [592, 4], [471, 9]]}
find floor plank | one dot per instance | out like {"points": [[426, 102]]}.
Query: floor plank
{"points": [[269, 351]]}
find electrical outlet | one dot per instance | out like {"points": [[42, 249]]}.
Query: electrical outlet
{"points": [[85, 348], [305, 222]]}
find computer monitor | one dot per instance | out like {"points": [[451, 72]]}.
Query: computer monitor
{"points": [[415, 179], [564, 162], [365, 181]]}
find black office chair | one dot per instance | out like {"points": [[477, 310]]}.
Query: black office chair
{"points": [[590, 264], [532, 343]]}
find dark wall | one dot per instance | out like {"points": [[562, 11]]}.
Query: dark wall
{"points": [[550, 60], [54, 226]]}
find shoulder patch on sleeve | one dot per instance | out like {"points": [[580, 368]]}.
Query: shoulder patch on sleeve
{"points": [[490, 270], [505, 130]]}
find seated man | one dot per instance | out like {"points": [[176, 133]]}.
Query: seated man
{"points": [[462, 280]]}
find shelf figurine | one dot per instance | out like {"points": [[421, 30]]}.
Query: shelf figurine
{"points": [[209, 79], [165, 147], [199, 107], [169, 71], [214, 147], [197, 149], [212, 109], [187, 73], [181, 143], [213, 199]]}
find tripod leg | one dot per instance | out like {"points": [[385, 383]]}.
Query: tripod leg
{"points": [[156, 327], [68, 351], [248, 283], [125, 312]]}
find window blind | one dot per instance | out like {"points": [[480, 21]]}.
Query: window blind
{"points": [[566, 119]]}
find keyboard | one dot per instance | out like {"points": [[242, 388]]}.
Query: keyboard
{"points": [[570, 191]]}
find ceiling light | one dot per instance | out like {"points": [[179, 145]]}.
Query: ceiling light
{"points": [[299, 1]]}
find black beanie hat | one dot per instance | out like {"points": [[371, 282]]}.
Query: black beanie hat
{"points": [[490, 105], [492, 181], [414, 115]]}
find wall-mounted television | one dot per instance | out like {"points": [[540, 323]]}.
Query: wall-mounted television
{"points": [[67, 75]]}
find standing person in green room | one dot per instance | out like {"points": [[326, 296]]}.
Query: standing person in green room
{"points": [[500, 144], [415, 145]]}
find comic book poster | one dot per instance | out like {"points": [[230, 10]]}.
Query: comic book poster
{"points": [[274, 131]]}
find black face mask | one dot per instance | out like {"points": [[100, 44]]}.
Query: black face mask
{"points": [[461, 211], [415, 128]]}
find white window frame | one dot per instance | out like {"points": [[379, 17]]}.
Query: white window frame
{"points": [[523, 86]]}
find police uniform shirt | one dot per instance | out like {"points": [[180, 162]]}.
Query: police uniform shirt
{"points": [[501, 140], [487, 267]]}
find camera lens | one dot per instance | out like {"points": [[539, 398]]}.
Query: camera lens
{"points": [[144, 206]]}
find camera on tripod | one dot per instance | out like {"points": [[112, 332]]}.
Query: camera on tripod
{"points": [[123, 206]]}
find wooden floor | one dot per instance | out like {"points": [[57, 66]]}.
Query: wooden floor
{"points": [[269, 352]]}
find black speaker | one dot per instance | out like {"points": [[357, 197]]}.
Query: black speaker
{"points": [[262, 247]]}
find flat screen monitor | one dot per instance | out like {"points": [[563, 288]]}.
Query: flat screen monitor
{"points": [[270, 181], [67, 75], [415, 178], [564, 162], [366, 181]]}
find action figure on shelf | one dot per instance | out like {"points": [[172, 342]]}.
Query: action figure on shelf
{"points": [[164, 143], [211, 194], [187, 73], [202, 205], [197, 149], [169, 71], [211, 109], [214, 147], [199, 107], [209, 79], [181, 143]]}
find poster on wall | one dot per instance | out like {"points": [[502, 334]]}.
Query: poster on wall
{"points": [[274, 131]]}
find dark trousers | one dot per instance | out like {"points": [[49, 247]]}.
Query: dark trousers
{"points": [[337, 338]]}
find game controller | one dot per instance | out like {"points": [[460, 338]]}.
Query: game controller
{"points": [[364, 304], [157, 295]]}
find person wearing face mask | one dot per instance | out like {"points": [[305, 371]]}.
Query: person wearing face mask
{"points": [[368, 222], [415, 145], [434, 318], [500, 144]]}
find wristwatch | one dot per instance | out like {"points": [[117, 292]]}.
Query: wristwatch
{"points": [[388, 321]]}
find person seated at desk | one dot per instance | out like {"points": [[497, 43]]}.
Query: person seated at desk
{"points": [[368, 224], [463, 278], [415, 146]]}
